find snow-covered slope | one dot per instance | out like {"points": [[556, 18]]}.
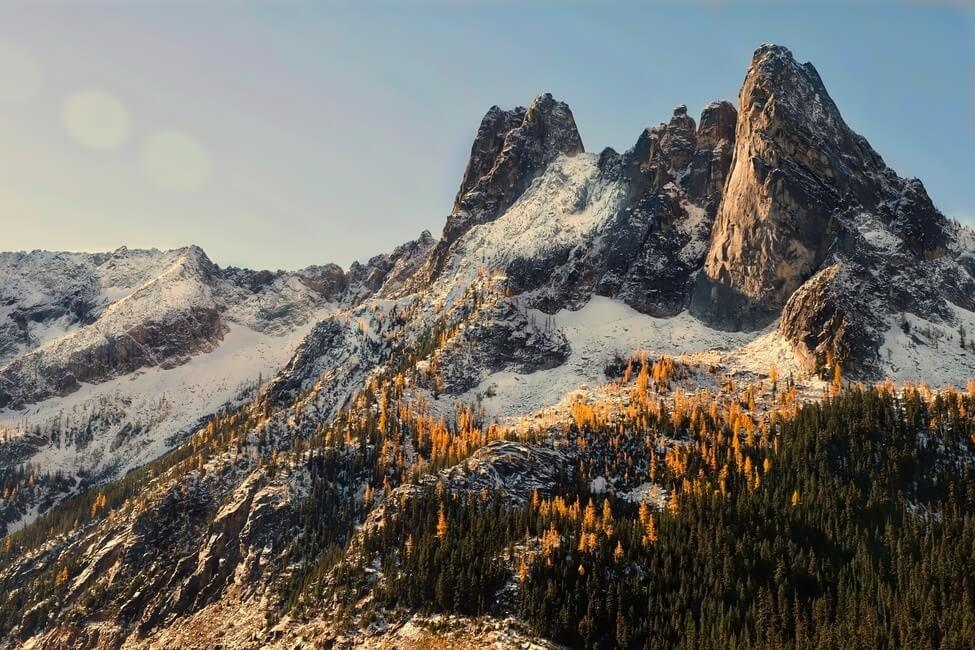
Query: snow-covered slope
{"points": [[44, 295], [111, 358], [87, 318], [103, 430], [560, 210], [606, 330]]}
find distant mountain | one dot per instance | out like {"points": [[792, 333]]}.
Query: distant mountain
{"points": [[613, 405], [111, 359]]}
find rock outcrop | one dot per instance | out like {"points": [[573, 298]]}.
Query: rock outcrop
{"points": [[675, 174], [388, 274], [510, 149], [500, 337], [798, 168]]}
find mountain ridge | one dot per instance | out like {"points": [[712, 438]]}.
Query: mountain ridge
{"points": [[580, 332]]}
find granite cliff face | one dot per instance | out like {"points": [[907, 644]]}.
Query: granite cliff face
{"points": [[798, 177], [674, 176], [815, 227]]}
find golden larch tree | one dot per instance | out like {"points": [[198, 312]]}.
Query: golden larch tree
{"points": [[441, 524]]}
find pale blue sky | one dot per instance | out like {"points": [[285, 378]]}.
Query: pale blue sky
{"points": [[290, 133]]}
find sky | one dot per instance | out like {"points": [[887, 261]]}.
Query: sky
{"points": [[279, 135]]}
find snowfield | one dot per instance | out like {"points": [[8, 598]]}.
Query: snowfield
{"points": [[929, 351], [161, 403], [606, 328], [562, 207]]}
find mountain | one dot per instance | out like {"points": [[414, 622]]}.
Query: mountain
{"points": [[111, 359], [610, 406], [817, 224]]}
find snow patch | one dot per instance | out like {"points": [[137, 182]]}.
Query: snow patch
{"points": [[915, 348], [603, 329], [649, 493], [598, 485], [876, 233], [561, 208], [697, 226]]}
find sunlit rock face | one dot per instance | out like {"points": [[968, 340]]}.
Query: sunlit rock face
{"points": [[816, 231], [797, 168]]}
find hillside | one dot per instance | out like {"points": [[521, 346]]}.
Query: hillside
{"points": [[710, 392]]}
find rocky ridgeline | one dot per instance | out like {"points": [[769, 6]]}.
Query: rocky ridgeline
{"points": [[729, 217], [774, 216]]}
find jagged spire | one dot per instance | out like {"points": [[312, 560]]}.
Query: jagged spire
{"points": [[511, 148], [797, 165]]}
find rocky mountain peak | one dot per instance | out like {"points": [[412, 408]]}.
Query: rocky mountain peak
{"points": [[552, 123], [717, 124], [695, 156], [511, 148], [196, 260], [389, 274], [797, 167], [680, 118]]}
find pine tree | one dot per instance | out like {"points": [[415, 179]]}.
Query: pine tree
{"points": [[441, 524], [836, 385], [607, 524], [62, 578], [99, 504], [589, 517], [650, 531], [673, 504]]}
